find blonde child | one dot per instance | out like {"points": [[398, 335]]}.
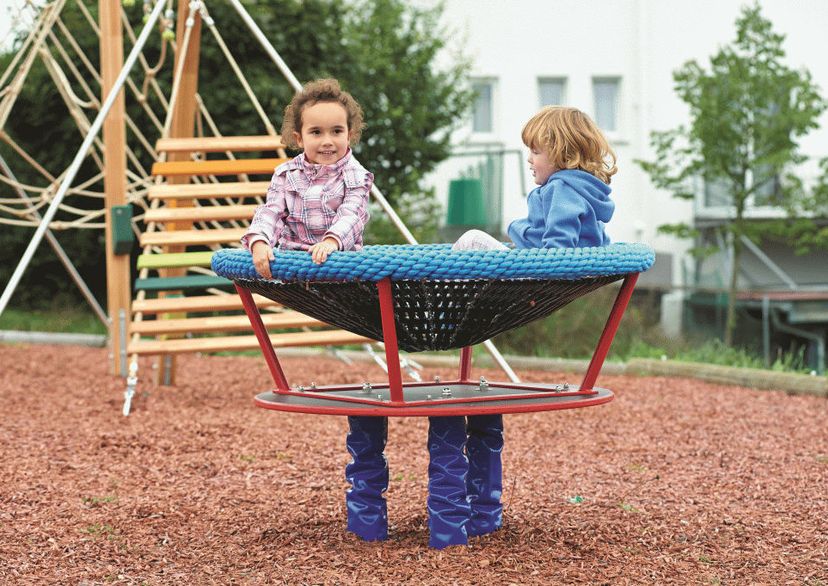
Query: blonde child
{"points": [[572, 164], [318, 202]]}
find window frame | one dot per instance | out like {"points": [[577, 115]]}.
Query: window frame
{"points": [[617, 81], [491, 82], [562, 80]]}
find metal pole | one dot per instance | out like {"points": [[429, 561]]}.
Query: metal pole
{"points": [[766, 330], [61, 254], [271, 51], [74, 167]]}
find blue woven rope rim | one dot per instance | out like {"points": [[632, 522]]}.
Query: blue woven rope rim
{"points": [[437, 261]]}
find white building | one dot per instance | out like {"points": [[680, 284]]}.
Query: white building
{"points": [[613, 59]]}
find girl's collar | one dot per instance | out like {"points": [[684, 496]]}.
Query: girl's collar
{"points": [[315, 168]]}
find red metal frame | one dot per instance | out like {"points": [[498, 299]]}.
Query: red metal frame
{"points": [[447, 406], [389, 335], [465, 363], [264, 339], [613, 321]]}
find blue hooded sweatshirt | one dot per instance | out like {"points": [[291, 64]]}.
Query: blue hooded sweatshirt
{"points": [[568, 211]]}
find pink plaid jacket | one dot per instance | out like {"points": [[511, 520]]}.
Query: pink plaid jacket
{"points": [[307, 202]]}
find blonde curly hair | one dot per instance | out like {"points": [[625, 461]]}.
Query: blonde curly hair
{"points": [[571, 140], [313, 92]]}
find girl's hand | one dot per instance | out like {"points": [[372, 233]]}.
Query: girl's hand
{"points": [[319, 252], [262, 255]]}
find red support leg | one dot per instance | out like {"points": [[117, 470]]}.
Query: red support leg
{"points": [[614, 320], [389, 334], [264, 340], [465, 364]]}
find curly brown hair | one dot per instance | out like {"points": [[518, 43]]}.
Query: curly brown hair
{"points": [[571, 140], [313, 92]]}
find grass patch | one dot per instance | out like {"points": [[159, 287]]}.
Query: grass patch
{"points": [[65, 320], [99, 530], [99, 500]]}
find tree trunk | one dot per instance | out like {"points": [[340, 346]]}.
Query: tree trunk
{"points": [[730, 321]]}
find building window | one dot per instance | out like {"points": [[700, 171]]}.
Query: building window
{"points": [[606, 92], [551, 91], [483, 113]]}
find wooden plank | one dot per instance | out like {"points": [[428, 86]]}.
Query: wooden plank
{"points": [[215, 144], [194, 237], [236, 343], [220, 167], [114, 177], [217, 190], [175, 260], [196, 303], [218, 213], [225, 323], [181, 283]]}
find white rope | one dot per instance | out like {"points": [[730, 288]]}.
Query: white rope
{"points": [[60, 79], [70, 64], [25, 156], [130, 153], [149, 72]]}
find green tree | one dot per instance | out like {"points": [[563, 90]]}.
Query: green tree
{"points": [[747, 112]]}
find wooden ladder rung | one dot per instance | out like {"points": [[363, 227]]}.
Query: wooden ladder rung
{"points": [[196, 303], [193, 237], [218, 167], [213, 190], [218, 213], [174, 260], [187, 282], [214, 144], [226, 323], [236, 343]]}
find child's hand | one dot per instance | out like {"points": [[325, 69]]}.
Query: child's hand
{"points": [[262, 255], [320, 251]]}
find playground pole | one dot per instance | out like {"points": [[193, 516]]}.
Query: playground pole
{"points": [[74, 167], [114, 138]]}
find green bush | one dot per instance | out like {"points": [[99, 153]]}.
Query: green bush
{"points": [[573, 331]]}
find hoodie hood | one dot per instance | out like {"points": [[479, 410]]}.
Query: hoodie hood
{"points": [[592, 189]]}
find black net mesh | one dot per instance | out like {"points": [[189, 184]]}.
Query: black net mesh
{"points": [[430, 315]]}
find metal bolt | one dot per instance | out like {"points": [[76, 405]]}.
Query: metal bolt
{"points": [[301, 389], [379, 397], [366, 388], [313, 385], [436, 379], [429, 397], [484, 384], [446, 392]]}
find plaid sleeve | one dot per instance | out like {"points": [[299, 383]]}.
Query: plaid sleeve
{"points": [[269, 218], [352, 214]]}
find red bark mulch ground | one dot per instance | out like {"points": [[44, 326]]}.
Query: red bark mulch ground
{"points": [[681, 481]]}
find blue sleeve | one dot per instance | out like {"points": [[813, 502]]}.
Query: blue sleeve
{"points": [[562, 225], [517, 230]]}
